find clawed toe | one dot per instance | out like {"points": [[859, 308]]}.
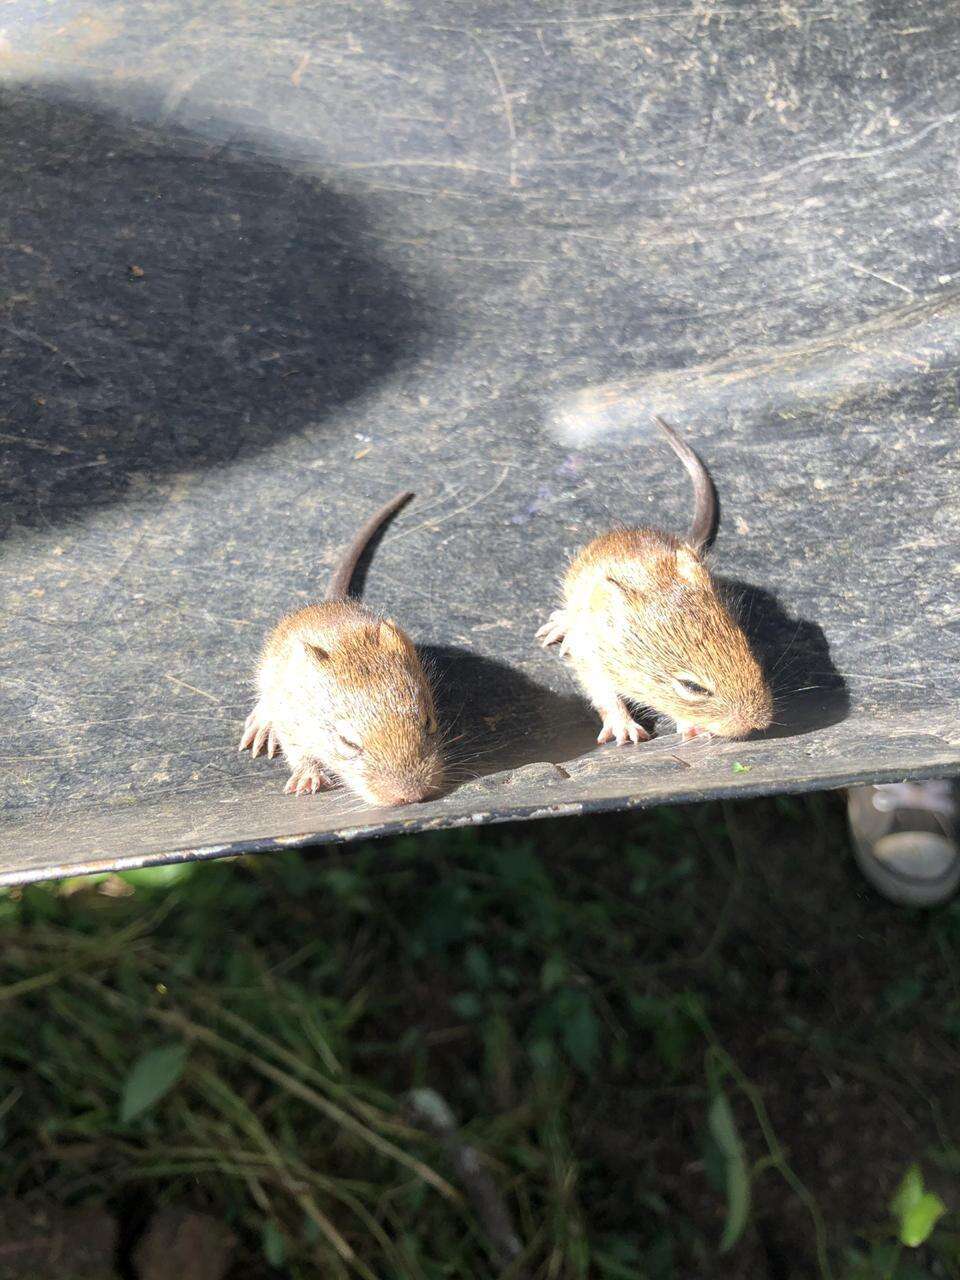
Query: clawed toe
{"points": [[554, 631], [250, 728], [307, 780], [622, 729], [266, 740]]}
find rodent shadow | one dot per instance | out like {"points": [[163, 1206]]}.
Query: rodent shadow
{"points": [[808, 691], [169, 304], [497, 718]]}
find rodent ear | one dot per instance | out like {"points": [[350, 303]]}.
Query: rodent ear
{"points": [[391, 637], [690, 567], [316, 652], [628, 593]]}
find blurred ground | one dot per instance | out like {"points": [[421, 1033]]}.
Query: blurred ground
{"points": [[662, 1033]]}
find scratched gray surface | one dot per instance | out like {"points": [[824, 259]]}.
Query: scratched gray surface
{"points": [[264, 264]]}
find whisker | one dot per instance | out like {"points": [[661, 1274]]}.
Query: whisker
{"points": [[784, 653], [856, 675]]}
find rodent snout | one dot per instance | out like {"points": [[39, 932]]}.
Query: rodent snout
{"points": [[409, 795], [412, 783], [743, 724]]}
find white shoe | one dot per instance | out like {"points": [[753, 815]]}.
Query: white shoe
{"points": [[905, 840]]}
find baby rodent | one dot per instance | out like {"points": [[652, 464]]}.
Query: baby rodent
{"points": [[342, 691], [643, 621]]}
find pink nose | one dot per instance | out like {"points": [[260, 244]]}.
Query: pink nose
{"points": [[410, 796]]}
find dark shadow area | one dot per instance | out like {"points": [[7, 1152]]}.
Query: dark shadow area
{"points": [[808, 690], [170, 304], [495, 717], [133, 1218]]}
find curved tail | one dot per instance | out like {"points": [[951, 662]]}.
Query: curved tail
{"points": [[703, 527], [342, 576]]}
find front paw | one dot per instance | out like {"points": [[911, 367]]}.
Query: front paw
{"points": [[307, 779], [259, 735], [555, 631], [619, 726]]}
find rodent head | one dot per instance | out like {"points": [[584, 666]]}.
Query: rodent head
{"points": [[680, 650], [379, 721]]}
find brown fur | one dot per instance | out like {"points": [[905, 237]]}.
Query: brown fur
{"points": [[641, 612], [343, 691]]}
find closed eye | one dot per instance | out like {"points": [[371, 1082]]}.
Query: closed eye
{"points": [[430, 723], [690, 689], [353, 747]]}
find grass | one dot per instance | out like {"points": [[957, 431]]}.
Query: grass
{"points": [[687, 1043]]}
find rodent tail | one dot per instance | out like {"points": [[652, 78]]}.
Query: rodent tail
{"points": [[703, 527], [342, 576]]}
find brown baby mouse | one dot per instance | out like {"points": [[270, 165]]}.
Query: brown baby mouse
{"points": [[342, 691], [643, 622]]}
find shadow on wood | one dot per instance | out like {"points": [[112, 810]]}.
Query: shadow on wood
{"points": [[808, 691], [497, 718], [171, 303]]}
